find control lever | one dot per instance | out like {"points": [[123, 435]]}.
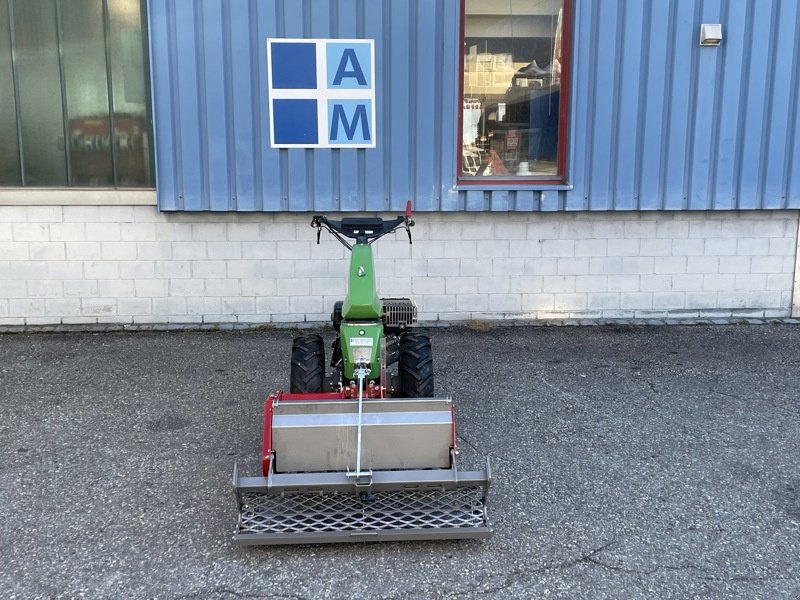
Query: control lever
{"points": [[409, 222], [316, 221]]}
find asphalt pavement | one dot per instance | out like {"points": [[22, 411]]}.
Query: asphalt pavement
{"points": [[628, 462]]}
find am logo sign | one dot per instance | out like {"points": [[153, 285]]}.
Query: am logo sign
{"points": [[321, 93]]}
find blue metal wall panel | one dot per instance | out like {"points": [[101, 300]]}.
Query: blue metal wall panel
{"points": [[656, 122], [245, 114], [651, 130], [191, 118], [270, 23], [377, 166], [782, 103], [679, 101], [723, 184], [626, 77], [699, 154], [398, 113], [689, 127], [163, 105]]}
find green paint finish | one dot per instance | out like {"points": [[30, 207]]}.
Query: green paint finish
{"points": [[362, 300], [360, 340], [362, 329]]}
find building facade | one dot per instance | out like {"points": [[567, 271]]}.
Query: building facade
{"points": [[566, 159]]}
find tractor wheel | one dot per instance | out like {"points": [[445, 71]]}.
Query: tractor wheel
{"points": [[415, 366], [308, 364]]}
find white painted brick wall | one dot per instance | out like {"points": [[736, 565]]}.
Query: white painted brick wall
{"points": [[132, 264], [795, 292]]}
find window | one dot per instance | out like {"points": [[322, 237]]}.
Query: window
{"points": [[74, 94], [514, 91]]}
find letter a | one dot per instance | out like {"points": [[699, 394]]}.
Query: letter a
{"points": [[349, 56]]}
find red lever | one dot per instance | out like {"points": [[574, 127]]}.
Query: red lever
{"points": [[408, 209]]}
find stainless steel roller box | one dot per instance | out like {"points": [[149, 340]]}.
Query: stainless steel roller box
{"points": [[407, 433]]}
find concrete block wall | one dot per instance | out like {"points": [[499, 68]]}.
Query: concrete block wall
{"points": [[134, 265]]}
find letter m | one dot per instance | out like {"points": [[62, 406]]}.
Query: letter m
{"points": [[359, 115]]}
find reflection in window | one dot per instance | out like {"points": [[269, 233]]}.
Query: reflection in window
{"points": [[76, 73], [35, 58], [512, 88], [9, 148]]}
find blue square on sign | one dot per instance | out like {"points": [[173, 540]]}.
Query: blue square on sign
{"points": [[295, 121], [294, 66]]}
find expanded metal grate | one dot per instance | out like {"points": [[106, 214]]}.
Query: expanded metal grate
{"points": [[307, 513]]}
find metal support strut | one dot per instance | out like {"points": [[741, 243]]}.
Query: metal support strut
{"points": [[361, 478]]}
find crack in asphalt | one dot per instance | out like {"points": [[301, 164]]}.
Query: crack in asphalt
{"points": [[234, 593], [593, 558], [596, 561]]}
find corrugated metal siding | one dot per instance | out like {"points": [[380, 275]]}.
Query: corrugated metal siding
{"points": [[657, 122], [210, 106], [660, 123]]}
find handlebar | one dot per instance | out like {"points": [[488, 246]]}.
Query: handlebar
{"points": [[364, 230]]}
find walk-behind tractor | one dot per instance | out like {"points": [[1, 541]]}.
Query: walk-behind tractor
{"points": [[366, 452]]}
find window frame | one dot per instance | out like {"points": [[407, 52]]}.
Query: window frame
{"points": [[77, 196], [561, 180]]}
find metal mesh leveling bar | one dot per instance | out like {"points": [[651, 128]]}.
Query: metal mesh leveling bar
{"points": [[400, 505]]}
